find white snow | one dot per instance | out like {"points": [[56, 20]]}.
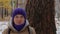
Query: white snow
{"points": [[3, 25]]}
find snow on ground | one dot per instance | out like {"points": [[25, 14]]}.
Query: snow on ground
{"points": [[3, 25], [57, 22]]}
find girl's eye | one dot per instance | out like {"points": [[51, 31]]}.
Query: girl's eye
{"points": [[19, 16], [16, 17]]}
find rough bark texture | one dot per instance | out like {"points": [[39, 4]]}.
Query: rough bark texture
{"points": [[41, 14]]}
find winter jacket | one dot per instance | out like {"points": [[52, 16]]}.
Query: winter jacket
{"points": [[26, 29]]}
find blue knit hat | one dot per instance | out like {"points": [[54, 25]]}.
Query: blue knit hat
{"points": [[19, 11]]}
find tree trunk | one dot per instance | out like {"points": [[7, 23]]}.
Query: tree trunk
{"points": [[41, 14]]}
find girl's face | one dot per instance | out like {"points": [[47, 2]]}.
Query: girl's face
{"points": [[19, 19]]}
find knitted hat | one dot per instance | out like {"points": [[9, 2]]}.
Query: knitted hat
{"points": [[19, 11]]}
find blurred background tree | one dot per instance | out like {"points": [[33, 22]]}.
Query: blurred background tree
{"points": [[41, 15], [5, 8]]}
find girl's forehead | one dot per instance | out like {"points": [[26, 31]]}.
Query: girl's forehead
{"points": [[19, 15]]}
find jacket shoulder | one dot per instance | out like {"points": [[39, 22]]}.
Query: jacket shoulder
{"points": [[32, 30], [5, 31]]}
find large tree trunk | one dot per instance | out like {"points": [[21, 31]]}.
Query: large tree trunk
{"points": [[41, 14]]}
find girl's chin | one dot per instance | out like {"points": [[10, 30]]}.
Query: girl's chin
{"points": [[18, 23]]}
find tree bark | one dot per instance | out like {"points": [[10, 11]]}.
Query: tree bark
{"points": [[41, 14]]}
